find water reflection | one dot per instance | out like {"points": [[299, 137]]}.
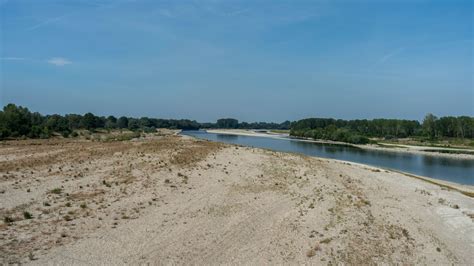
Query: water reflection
{"points": [[455, 170], [434, 160], [224, 137]]}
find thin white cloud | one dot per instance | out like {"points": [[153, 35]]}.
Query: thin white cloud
{"points": [[58, 18], [387, 56], [46, 22], [59, 61]]}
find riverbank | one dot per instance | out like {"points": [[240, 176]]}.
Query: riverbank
{"points": [[424, 150], [175, 199], [248, 132]]}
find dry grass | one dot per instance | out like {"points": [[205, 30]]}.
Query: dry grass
{"points": [[86, 195], [313, 251], [95, 174]]}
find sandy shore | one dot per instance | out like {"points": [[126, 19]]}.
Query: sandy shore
{"points": [[431, 151], [245, 132], [175, 199]]}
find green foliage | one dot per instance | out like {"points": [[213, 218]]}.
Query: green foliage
{"points": [[90, 122], [234, 123], [56, 191], [27, 215], [149, 129], [227, 123], [448, 126], [111, 122], [14, 121], [370, 128], [65, 133], [358, 131], [133, 124], [429, 126], [74, 121], [8, 220], [332, 133], [122, 122], [19, 122]]}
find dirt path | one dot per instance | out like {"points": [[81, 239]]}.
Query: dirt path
{"points": [[179, 200]]}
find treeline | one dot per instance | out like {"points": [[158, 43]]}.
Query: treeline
{"points": [[235, 124], [448, 126], [359, 131], [17, 121]]}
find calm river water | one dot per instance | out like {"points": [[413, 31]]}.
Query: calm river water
{"points": [[455, 170]]}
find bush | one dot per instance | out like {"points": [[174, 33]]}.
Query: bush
{"points": [[149, 129], [357, 139], [56, 191], [27, 215], [65, 134], [35, 132], [8, 220]]}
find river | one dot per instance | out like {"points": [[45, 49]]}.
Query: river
{"points": [[439, 167]]}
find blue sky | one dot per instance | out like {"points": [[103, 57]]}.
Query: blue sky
{"points": [[252, 60]]}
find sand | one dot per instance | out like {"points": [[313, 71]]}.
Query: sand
{"points": [[172, 199], [457, 153]]}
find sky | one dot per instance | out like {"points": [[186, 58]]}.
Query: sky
{"points": [[250, 60]]}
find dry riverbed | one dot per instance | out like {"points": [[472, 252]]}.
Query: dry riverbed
{"points": [[172, 199]]}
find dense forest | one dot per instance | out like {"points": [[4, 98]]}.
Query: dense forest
{"points": [[234, 124], [17, 121], [359, 131]]}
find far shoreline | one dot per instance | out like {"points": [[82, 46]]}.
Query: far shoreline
{"points": [[464, 189], [429, 151]]}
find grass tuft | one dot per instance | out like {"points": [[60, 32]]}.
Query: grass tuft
{"points": [[56, 191], [27, 215]]}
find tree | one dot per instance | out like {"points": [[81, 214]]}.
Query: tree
{"points": [[145, 122], [186, 124], [285, 125], [429, 126], [122, 122], [89, 121], [133, 124], [111, 122], [74, 121], [37, 119], [227, 123], [466, 126], [57, 123], [15, 121]]}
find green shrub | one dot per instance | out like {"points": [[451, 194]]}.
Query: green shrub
{"points": [[8, 219], [27, 215], [56, 191], [65, 134]]}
